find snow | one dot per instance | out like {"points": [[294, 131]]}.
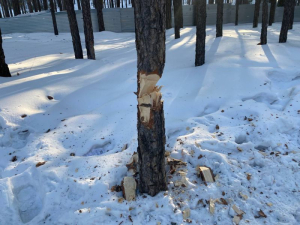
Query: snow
{"points": [[251, 92]]}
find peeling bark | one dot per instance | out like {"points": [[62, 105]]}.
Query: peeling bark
{"points": [[4, 70], [264, 25], [200, 32], [88, 29], [219, 24], [150, 23]]}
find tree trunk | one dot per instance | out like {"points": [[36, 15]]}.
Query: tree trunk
{"points": [[88, 29], [53, 17], [177, 20], [74, 29], [45, 4], [237, 4], [59, 3], [219, 24], [256, 13], [292, 15], [181, 14], [99, 7], [29, 6], [39, 5], [264, 25], [288, 7], [200, 32], [79, 4], [150, 45], [118, 3], [272, 12], [4, 70], [168, 14], [6, 11], [35, 5], [211, 2]]}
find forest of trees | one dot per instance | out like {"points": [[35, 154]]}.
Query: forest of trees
{"points": [[150, 58]]}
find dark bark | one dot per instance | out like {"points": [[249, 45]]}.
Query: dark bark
{"points": [[219, 24], [29, 4], [4, 70], [237, 4], [150, 45], [256, 13], [264, 25], [181, 14], [59, 3], [88, 29], [168, 14], [16, 7], [118, 3], [288, 7], [211, 2], [99, 7], [292, 15], [280, 3], [177, 19], [39, 5], [272, 12], [6, 11], [74, 29], [34, 2], [45, 4], [200, 32], [79, 4], [53, 17]]}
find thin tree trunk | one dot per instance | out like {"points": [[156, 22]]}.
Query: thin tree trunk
{"points": [[256, 13], [4, 70], [35, 5], [168, 14], [219, 24], [29, 6], [6, 10], [272, 12], [59, 3], [74, 29], [45, 4], [39, 5], [264, 25], [118, 3], [79, 4], [88, 29], [53, 17], [181, 14], [288, 7], [237, 4], [177, 20], [292, 15], [150, 45], [200, 32], [99, 7]]}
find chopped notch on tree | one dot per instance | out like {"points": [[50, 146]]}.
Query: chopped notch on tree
{"points": [[150, 45]]}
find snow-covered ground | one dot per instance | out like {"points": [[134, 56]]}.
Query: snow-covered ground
{"points": [[250, 92]]}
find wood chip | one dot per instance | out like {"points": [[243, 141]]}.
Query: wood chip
{"points": [[237, 210], [132, 165], [186, 213], [212, 206], [129, 188], [206, 174], [40, 164]]}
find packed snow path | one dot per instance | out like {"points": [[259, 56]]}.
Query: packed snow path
{"points": [[238, 114]]}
